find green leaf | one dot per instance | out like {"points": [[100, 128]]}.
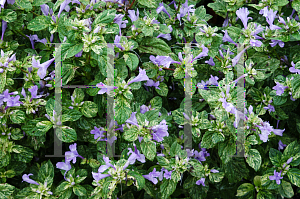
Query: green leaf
{"points": [[23, 154], [2, 81], [67, 134], [69, 50], [68, 73], [6, 190], [167, 188], [286, 189], [235, 169], [296, 87], [296, 5], [123, 110], [71, 115], [294, 176], [207, 140], [46, 173], [25, 4], [31, 129], [79, 190], [246, 190], [218, 137], [162, 161], [156, 102], [38, 23], [264, 194], [38, 2], [154, 46], [131, 60], [292, 150], [275, 157], [216, 177], [254, 159], [152, 115], [89, 109], [44, 126], [163, 91], [8, 15], [107, 16], [62, 187], [148, 3], [78, 95], [148, 31], [149, 150], [175, 149], [50, 107], [17, 116], [131, 134], [140, 180]]}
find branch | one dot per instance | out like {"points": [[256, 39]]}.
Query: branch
{"points": [[131, 5], [218, 58]]}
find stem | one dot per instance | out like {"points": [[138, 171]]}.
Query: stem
{"points": [[35, 13], [23, 70], [130, 5], [169, 69], [21, 33], [218, 58]]}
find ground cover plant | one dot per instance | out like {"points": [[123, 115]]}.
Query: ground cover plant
{"points": [[164, 147]]}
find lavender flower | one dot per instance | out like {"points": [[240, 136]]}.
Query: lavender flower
{"points": [[42, 67], [118, 20], [164, 61], [270, 108], [276, 177], [135, 155], [4, 26], [144, 109], [204, 53], [26, 178], [238, 56], [214, 171], [162, 8], [200, 156], [185, 9], [65, 6], [160, 131], [132, 15], [98, 132], [152, 176], [141, 77], [201, 181], [12, 101], [151, 83], [213, 80], [243, 13], [266, 129], [104, 88], [275, 42], [132, 120], [166, 36], [34, 38], [168, 174], [210, 61], [270, 19], [227, 38], [293, 69], [279, 88], [71, 155]]}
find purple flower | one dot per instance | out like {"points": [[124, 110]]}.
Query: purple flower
{"points": [[289, 160], [33, 90], [151, 83], [65, 6], [275, 42], [79, 54], [4, 26], [104, 88], [98, 132], [135, 155], [42, 67], [238, 56], [204, 53], [166, 36], [210, 61], [144, 109], [255, 43], [26, 178], [213, 80], [99, 176], [152, 176], [243, 13], [279, 88], [214, 171], [185, 9], [132, 120], [201, 181], [202, 85], [34, 38], [164, 61], [293, 69], [168, 174], [71, 155], [276, 177], [141, 77], [132, 15], [64, 166], [227, 38], [199, 156], [270, 16], [162, 8], [160, 131], [270, 108], [118, 20], [12, 101]]}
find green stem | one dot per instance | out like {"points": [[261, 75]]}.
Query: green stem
{"points": [[17, 31]]}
